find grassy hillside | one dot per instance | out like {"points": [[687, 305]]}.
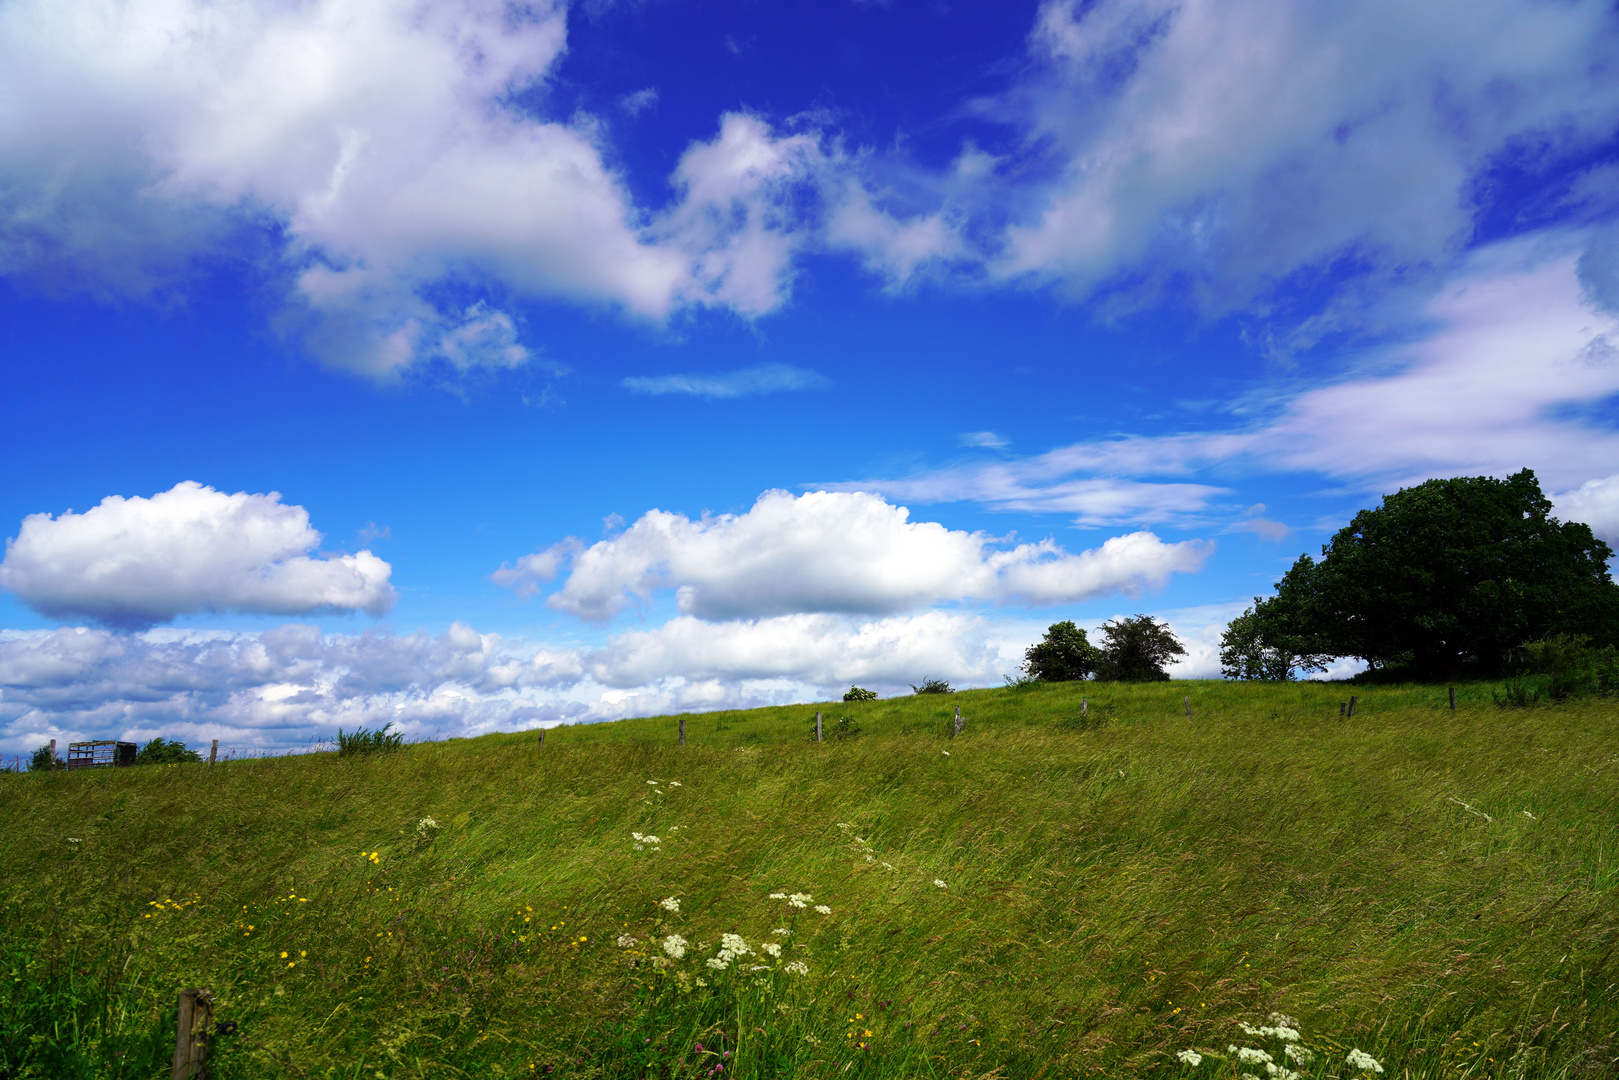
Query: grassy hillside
{"points": [[1038, 898]]}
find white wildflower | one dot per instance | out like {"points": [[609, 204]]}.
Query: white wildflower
{"points": [[888, 866], [675, 946], [1530, 816], [675, 783], [1249, 1056], [732, 946], [1190, 1057], [75, 839], [844, 825], [1360, 1059], [669, 903], [1286, 1034], [650, 839], [661, 962], [718, 963], [1247, 1028], [770, 948], [652, 781], [758, 967], [1284, 1020], [1247, 1076], [871, 858], [823, 909], [425, 826], [1299, 1055], [940, 884], [947, 753], [778, 896], [1277, 1071], [782, 931], [625, 941], [800, 899], [638, 847], [797, 967], [704, 982]]}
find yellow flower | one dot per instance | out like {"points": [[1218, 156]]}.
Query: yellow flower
{"points": [[283, 956]]}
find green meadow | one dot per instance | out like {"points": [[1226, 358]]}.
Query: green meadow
{"points": [[1044, 896]]}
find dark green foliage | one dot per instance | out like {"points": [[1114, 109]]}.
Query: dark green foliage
{"points": [[1445, 574], [1253, 647], [844, 727], [1063, 655], [159, 752], [365, 741], [933, 686], [1561, 667], [41, 759], [857, 694], [1136, 650]]}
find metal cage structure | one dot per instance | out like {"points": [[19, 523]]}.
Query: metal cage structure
{"points": [[101, 754]]}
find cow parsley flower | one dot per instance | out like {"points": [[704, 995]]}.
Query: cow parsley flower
{"points": [[1274, 1070], [797, 967], [823, 909], [625, 941], [669, 903], [1360, 1059], [1249, 1056], [782, 931], [940, 884], [675, 946], [1299, 1055], [652, 781], [734, 945], [718, 963], [800, 900], [772, 949], [1190, 1057]]}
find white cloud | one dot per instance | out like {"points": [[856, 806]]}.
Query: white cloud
{"points": [[836, 552], [1233, 143], [768, 378], [640, 101], [1508, 367], [1595, 502], [986, 440], [191, 549]]}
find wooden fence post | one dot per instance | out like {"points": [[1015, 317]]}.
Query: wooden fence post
{"points": [[1352, 699], [817, 727], [191, 1034], [1342, 705], [1452, 690], [682, 731], [53, 755], [1188, 703], [213, 754], [960, 723], [1083, 712], [542, 736]]}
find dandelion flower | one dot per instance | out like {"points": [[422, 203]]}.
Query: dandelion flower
{"points": [[675, 946], [940, 884], [797, 967], [823, 909], [1190, 1057], [669, 903], [1360, 1059]]}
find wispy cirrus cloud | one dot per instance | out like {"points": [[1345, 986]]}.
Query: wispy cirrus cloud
{"points": [[769, 378]]}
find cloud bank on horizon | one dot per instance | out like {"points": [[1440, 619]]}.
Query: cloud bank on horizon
{"points": [[1409, 213]]}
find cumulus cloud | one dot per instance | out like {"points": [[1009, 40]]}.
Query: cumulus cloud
{"points": [[379, 148], [835, 552], [1233, 143], [766, 378], [138, 561], [1595, 502]]}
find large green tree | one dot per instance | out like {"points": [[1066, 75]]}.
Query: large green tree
{"points": [[1137, 649], [1445, 573], [1065, 654]]}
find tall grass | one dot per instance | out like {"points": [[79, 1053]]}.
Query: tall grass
{"points": [[1037, 898]]}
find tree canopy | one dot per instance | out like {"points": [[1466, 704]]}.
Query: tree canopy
{"points": [[159, 752], [1063, 655], [1137, 649], [1449, 572]]}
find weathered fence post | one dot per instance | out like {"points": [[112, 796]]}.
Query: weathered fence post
{"points": [[213, 755], [1352, 699], [1452, 690], [191, 1034], [1188, 703], [1083, 712], [817, 727], [682, 731], [960, 723], [53, 755], [1342, 705], [542, 736]]}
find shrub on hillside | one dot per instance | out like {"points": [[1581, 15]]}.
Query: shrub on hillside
{"points": [[365, 741], [160, 752], [41, 759], [933, 686], [1137, 649], [1064, 655], [859, 694]]}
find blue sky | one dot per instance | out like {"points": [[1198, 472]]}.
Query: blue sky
{"points": [[477, 366]]}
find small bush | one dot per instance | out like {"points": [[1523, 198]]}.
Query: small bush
{"points": [[159, 752], [859, 694], [1022, 682], [365, 741], [933, 686], [1518, 692], [41, 760], [844, 727]]}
